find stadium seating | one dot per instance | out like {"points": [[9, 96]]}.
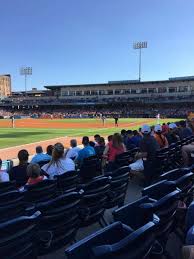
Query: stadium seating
{"points": [[94, 199], [67, 181], [17, 237], [165, 198], [60, 216], [11, 205], [42, 191], [115, 241], [183, 179], [90, 168], [118, 188], [7, 186]]}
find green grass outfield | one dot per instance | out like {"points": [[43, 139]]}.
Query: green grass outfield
{"points": [[13, 137]]}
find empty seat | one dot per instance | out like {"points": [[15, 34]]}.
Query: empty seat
{"points": [[182, 178], [94, 199], [11, 205], [90, 168], [165, 197], [60, 216], [123, 159], [41, 191], [115, 241], [7, 186], [17, 237], [137, 213], [67, 181], [118, 188]]}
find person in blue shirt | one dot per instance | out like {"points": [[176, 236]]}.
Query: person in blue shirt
{"points": [[40, 156], [86, 152], [136, 138], [184, 130]]}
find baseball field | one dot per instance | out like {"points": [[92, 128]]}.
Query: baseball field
{"points": [[28, 133]]}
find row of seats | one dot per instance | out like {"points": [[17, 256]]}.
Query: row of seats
{"points": [[142, 227]]}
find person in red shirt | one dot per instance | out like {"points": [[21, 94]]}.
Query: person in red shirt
{"points": [[33, 172], [113, 148]]}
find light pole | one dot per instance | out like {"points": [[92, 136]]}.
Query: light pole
{"points": [[26, 71], [140, 45]]}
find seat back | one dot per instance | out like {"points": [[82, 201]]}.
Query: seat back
{"points": [[94, 199], [67, 181], [115, 241], [123, 159], [119, 183], [90, 168], [60, 216], [135, 214], [11, 205], [7, 186], [166, 198], [181, 177], [17, 237], [41, 191]]}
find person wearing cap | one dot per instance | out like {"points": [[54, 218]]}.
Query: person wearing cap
{"points": [[59, 163], [148, 148], [19, 173], [159, 137], [172, 135]]}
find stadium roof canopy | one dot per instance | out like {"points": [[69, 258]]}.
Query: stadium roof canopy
{"points": [[123, 82]]}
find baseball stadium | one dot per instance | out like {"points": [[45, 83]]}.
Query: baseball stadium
{"points": [[96, 129], [73, 111]]}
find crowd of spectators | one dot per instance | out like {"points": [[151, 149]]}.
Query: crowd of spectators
{"points": [[91, 111], [59, 159]]}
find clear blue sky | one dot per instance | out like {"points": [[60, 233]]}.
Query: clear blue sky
{"points": [[90, 41]]}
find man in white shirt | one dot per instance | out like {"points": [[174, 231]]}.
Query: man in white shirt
{"points": [[73, 151]]}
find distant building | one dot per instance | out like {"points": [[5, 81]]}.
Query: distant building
{"points": [[5, 85]]}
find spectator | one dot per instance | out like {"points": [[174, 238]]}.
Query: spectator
{"points": [[87, 151], [92, 144], [59, 164], [129, 141], [40, 156], [49, 151], [114, 148], [165, 128], [159, 137], [4, 176], [110, 138], [19, 173], [172, 135], [148, 149], [124, 135], [137, 137], [73, 152], [100, 148], [96, 139], [184, 130], [34, 174]]}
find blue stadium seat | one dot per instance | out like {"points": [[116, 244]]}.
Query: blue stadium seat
{"points": [[118, 188], [182, 178], [115, 241], [165, 198], [60, 216], [94, 200], [67, 181], [17, 237], [42, 191]]}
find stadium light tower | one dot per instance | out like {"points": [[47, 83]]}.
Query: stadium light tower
{"points": [[140, 45], [26, 71]]}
